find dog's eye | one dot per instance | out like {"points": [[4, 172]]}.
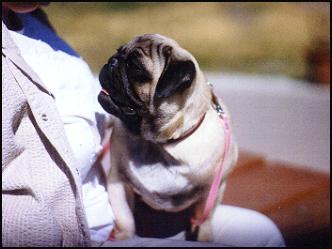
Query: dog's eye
{"points": [[133, 67], [128, 110], [136, 71]]}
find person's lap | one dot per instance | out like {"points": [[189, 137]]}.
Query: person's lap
{"points": [[235, 226], [231, 226], [153, 242]]}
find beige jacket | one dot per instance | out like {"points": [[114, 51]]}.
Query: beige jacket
{"points": [[41, 192]]}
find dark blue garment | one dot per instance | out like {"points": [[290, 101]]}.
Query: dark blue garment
{"points": [[37, 30]]}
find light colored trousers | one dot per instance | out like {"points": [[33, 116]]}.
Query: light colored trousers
{"points": [[231, 226]]}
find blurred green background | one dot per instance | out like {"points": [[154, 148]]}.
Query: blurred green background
{"points": [[243, 37]]}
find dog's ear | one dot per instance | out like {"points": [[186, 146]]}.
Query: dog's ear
{"points": [[176, 76]]}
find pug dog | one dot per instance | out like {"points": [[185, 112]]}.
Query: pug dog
{"points": [[167, 137]]}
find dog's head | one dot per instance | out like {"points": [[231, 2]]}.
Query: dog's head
{"points": [[151, 84]]}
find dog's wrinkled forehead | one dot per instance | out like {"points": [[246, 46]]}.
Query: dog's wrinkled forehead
{"points": [[154, 46], [147, 41]]}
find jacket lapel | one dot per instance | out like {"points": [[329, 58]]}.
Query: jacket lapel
{"points": [[11, 51]]}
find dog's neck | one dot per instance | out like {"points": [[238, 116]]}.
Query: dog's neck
{"points": [[188, 132], [189, 119]]}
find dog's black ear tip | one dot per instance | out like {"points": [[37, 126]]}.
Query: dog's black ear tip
{"points": [[177, 77]]}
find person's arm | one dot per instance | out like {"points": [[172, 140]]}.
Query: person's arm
{"points": [[39, 181]]}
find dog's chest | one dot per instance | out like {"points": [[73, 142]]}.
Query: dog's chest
{"points": [[158, 178]]}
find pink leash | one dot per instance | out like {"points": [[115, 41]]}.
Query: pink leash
{"points": [[213, 193]]}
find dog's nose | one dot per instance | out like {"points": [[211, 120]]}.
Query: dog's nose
{"points": [[113, 62]]}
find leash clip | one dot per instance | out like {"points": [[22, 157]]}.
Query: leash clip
{"points": [[219, 110], [222, 116]]}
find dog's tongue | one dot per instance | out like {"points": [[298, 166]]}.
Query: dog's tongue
{"points": [[104, 91]]}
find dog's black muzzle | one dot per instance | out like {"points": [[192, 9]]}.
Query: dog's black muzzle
{"points": [[121, 100]]}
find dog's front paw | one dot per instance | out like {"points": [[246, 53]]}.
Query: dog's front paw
{"points": [[205, 232], [122, 232]]}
